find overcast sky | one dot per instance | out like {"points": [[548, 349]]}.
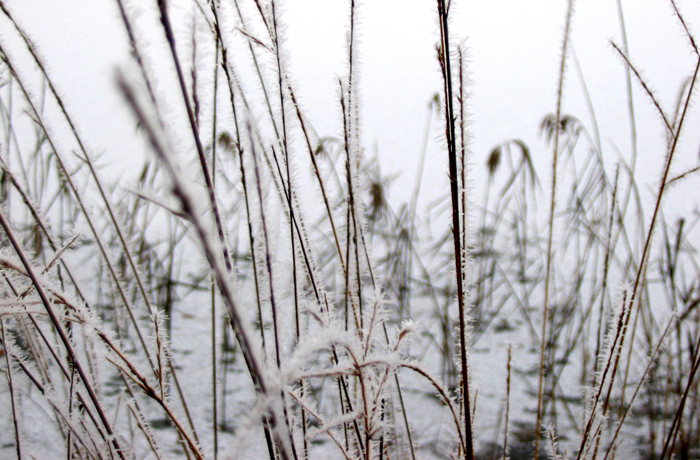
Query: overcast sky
{"points": [[514, 47]]}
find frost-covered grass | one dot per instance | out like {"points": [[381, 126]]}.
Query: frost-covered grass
{"points": [[254, 295]]}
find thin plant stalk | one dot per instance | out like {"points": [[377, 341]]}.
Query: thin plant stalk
{"points": [[170, 36], [214, 390], [11, 387], [445, 62], [550, 228], [507, 411]]}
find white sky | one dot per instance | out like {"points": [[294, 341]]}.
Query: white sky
{"points": [[514, 47]]}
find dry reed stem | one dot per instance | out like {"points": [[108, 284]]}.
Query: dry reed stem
{"points": [[550, 223], [451, 138]]}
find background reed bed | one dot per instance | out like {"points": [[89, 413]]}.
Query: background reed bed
{"points": [[255, 294]]}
